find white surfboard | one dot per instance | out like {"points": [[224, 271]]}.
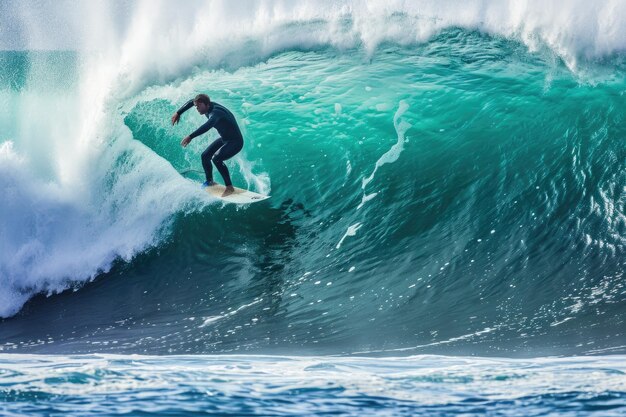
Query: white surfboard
{"points": [[240, 196]]}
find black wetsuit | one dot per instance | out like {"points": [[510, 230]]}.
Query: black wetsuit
{"points": [[224, 147]]}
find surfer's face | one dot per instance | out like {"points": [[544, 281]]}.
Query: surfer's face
{"points": [[201, 107]]}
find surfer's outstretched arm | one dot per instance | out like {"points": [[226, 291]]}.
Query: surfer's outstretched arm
{"points": [[180, 111], [204, 128]]}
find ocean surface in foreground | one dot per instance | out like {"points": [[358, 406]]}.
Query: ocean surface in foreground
{"points": [[134, 385]]}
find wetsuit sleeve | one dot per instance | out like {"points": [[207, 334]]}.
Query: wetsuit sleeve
{"points": [[185, 107], [205, 127]]}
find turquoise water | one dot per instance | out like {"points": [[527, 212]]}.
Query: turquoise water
{"points": [[444, 182]]}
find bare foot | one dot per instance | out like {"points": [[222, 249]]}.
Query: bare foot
{"points": [[228, 191]]}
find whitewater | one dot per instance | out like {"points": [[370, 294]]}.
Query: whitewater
{"points": [[447, 211]]}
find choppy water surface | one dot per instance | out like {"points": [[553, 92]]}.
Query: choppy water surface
{"points": [[107, 385]]}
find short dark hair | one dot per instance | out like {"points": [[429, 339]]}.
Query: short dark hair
{"points": [[202, 98]]}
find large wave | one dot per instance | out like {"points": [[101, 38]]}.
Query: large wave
{"points": [[80, 193]]}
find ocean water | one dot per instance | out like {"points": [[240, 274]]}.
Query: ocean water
{"points": [[234, 385], [446, 233]]}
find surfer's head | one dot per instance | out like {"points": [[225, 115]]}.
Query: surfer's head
{"points": [[202, 102]]}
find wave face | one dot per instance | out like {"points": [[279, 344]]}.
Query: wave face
{"points": [[443, 178]]}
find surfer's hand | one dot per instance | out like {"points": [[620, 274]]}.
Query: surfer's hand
{"points": [[185, 141], [175, 118]]}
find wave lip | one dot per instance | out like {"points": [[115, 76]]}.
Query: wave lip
{"points": [[158, 39]]}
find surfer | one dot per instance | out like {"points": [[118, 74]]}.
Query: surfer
{"points": [[225, 147]]}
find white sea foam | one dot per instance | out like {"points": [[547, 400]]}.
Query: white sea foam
{"points": [[53, 235], [77, 191]]}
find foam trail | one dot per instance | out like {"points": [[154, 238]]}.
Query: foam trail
{"points": [[209, 320], [350, 232], [365, 199], [392, 154]]}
